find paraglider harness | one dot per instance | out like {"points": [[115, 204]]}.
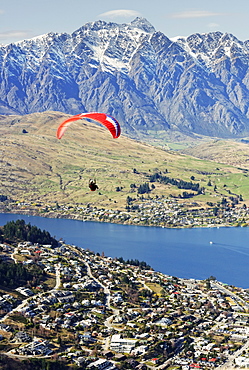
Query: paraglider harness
{"points": [[92, 185]]}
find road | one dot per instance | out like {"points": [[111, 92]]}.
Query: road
{"points": [[238, 299], [58, 276]]}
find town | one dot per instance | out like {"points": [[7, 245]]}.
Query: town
{"points": [[93, 311], [144, 211]]}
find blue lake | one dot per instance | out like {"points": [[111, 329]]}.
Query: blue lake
{"points": [[185, 253]]}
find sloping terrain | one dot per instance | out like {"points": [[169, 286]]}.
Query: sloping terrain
{"points": [[234, 153], [36, 166]]}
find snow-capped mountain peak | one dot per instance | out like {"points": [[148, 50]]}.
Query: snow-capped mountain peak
{"points": [[198, 83], [213, 46]]}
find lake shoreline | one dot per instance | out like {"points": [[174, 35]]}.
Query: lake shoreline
{"points": [[58, 215], [165, 212], [182, 252]]}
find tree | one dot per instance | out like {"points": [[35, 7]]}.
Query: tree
{"points": [[215, 211], [144, 188], [223, 201], [129, 200], [212, 278], [208, 284], [59, 340]]}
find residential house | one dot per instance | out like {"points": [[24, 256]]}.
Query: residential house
{"points": [[102, 364], [122, 345]]}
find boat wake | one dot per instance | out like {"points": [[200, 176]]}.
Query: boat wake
{"points": [[233, 248]]}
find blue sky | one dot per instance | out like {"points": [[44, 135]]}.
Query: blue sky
{"points": [[24, 19]]}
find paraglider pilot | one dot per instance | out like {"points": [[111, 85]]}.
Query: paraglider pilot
{"points": [[92, 185]]}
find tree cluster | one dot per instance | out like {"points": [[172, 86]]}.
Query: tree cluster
{"points": [[18, 230], [143, 265], [8, 363], [181, 184], [14, 275]]}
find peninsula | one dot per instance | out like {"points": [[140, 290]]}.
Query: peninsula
{"points": [[91, 311]]}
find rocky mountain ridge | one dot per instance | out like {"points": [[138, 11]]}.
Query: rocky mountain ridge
{"points": [[198, 84]]}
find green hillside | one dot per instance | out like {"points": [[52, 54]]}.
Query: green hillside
{"points": [[36, 166]]}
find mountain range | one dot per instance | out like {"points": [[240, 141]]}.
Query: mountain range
{"points": [[147, 81]]}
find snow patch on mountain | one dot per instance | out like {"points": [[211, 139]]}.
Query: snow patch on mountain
{"points": [[198, 83]]}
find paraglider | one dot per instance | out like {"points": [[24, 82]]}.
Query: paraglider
{"points": [[109, 122], [92, 185]]}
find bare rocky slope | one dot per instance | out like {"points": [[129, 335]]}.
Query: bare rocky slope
{"points": [[150, 83]]}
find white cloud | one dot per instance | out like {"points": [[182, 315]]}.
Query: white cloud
{"points": [[120, 13], [194, 14], [213, 26], [18, 35]]}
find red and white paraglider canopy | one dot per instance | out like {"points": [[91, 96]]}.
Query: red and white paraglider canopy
{"points": [[106, 120]]}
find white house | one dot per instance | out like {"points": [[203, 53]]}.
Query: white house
{"points": [[242, 362], [122, 345]]}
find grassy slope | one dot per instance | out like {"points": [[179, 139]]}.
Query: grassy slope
{"points": [[37, 166]]}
